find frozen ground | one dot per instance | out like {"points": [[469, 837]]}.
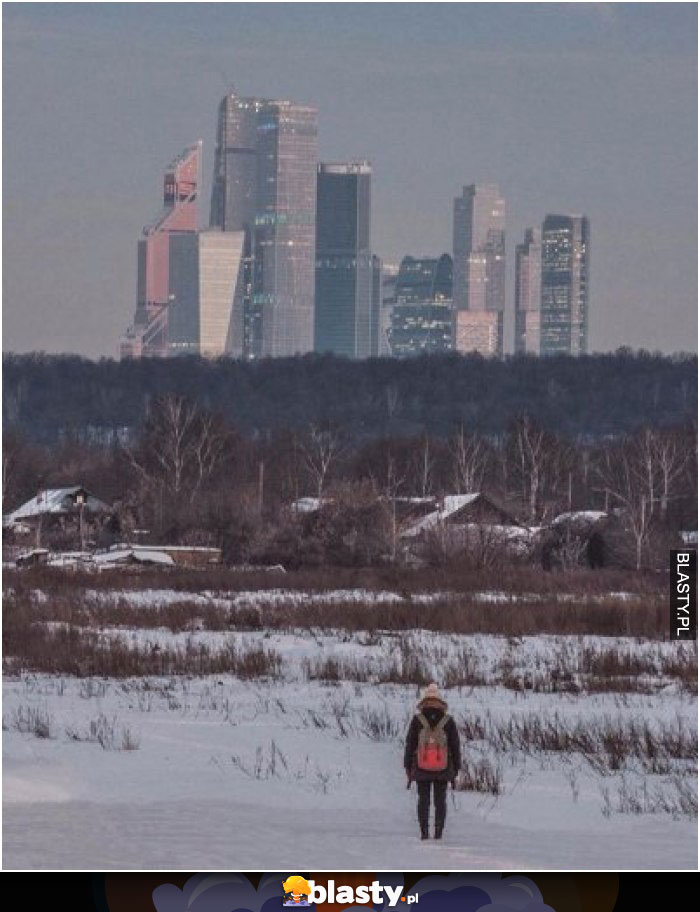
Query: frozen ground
{"points": [[233, 774], [591, 741]]}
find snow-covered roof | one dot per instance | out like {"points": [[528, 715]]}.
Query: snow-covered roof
{"points": [[54, 501], [307, 504], [70, 558], [140, 555], [451, 504], [201, 549], [582, 516]]}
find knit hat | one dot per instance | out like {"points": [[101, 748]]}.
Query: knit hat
{"points": [[431, 694]]}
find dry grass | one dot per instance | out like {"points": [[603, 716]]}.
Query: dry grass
{"points": [[84, 653], [532, 609], [608, 744]]}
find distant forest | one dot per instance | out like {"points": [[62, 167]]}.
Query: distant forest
{"points": [[52, 398]]}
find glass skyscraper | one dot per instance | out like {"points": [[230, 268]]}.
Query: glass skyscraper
{"points": [[265, 185], [148, 335], [479, 269], [528, 292], [564, 296], [346, 280], [421, 312], [205, 291]]}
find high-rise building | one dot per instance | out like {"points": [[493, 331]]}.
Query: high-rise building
{"points": [[376, 320], [206, 290], [564, 296], [479, 269], [265, 185], [421, 314], [344, 265], [528, 292], [389, 275], [148, 335]]}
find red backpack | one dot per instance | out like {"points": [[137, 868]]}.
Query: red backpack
{"points": [[432, 753]]}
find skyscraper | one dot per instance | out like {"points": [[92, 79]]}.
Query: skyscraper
{"points": [[376, 321], [206, 290], [528, 292], [479, 269], [345, 280], [389, 275], [421, 314], [265, 185], [564, 298], [148, 335]]}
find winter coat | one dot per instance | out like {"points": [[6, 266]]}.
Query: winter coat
{"points": [[433, 713]]}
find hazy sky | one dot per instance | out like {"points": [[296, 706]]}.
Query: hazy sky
{"points": [[582, 108]]}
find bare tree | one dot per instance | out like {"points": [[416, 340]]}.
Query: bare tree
{"points": [[387, 491], [533, 452], [671, 458], [469, 462], [624, 473], [180, 449], [423, 467], [392, 398], [319, 451]]}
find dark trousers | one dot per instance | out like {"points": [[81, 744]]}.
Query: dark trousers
{"points": [[439, 800]]}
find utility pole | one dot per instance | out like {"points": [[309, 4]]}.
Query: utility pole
{"points": [[261, 485]]}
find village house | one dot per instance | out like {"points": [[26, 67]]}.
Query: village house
{"points": [[472, 523], [62, 516]]}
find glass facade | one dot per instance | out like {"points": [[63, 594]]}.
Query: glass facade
{"points": [[421, 312], [480, 256], [206, 273], [345, 279], [479, 332], [564, 296], [149, 334], [265, 185], [528, 272]]}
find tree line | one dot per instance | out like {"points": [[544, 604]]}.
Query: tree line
{"points": [[49, 399]]}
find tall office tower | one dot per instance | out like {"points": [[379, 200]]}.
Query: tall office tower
{"points": [[564, 299], [421, 317], [479, 269], [528, 273], [148, 335], [375, 323], [265, 185], [206, 293], [344, 274], [390, 273]]}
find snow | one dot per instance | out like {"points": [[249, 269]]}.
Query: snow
{"points": [[142, 555], [450, 504], [222, 770], [53, 500], [583, 516], [185, 801], [307, 504], [260, 597]]}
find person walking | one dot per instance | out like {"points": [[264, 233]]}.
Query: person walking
{"points": [[432, 757]]}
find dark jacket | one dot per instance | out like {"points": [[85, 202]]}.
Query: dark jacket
{"points": [[454, 761]]}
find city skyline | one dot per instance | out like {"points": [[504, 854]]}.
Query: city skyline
{"points": [[73, 290]]}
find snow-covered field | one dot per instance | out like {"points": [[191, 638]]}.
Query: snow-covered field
{"points": [[218, 772]]}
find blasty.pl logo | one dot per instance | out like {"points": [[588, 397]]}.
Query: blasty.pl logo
{"points": [[301, 892]]}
